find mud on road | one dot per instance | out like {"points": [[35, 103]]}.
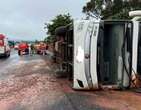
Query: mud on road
{"points": [[32, 85]]}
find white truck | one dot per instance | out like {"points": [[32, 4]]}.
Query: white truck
{"points": [[4, 46]]}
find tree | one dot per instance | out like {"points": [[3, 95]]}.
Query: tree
{"points": [[93, 7], [36, 41], [111, 9], [59, 20], [49, 39]]}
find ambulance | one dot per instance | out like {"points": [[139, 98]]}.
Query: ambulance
{"points": [[4, 46]]}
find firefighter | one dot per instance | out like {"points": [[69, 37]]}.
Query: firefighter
{"points": [[32, 49], [43, 48]]}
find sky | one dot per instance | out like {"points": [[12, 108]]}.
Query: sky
{"points": [[24, 19]]}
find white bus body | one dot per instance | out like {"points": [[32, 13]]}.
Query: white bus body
{"points": [[100, 60]]}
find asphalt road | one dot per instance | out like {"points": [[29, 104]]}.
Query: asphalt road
{"points": [[29, 83], [12, 62], [7, 63]]}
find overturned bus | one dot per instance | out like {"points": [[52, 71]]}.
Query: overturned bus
{"points": [[100, 54]]}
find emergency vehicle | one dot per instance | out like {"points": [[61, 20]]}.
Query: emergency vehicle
{"points": [[23, 48], [4, 46]]}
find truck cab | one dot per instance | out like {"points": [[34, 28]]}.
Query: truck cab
{"points": [[4, 46]]}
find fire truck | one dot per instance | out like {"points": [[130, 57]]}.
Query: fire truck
{"points": [[23, 48]]}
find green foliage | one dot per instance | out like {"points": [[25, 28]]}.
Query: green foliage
{"points": [[36, 41], [94, 6], [59, 20], [49, 39], [117, 9], [11, 43]]}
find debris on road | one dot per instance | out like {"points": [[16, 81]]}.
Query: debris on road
{"points": [[33, 86]]}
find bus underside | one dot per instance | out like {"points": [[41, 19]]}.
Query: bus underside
{"points": [[97, 54]]}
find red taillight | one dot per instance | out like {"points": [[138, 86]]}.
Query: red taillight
{"points": [[1, 42]]}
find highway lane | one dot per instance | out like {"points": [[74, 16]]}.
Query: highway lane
{"points": [[29, 83]]}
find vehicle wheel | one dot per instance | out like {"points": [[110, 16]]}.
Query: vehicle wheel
{"points": [[27, 51], [8, 54], [19, 52]]}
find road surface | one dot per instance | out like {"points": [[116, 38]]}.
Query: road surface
{"points": [[29, 83]]}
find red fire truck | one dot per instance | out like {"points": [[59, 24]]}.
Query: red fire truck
{"points": [[23, 48]]}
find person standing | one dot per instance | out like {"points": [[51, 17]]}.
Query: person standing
{"points": [[32, 49], [43, 48]]}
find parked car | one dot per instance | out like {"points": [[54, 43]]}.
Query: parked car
{"points": [[4, 46], [23, 49]]}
